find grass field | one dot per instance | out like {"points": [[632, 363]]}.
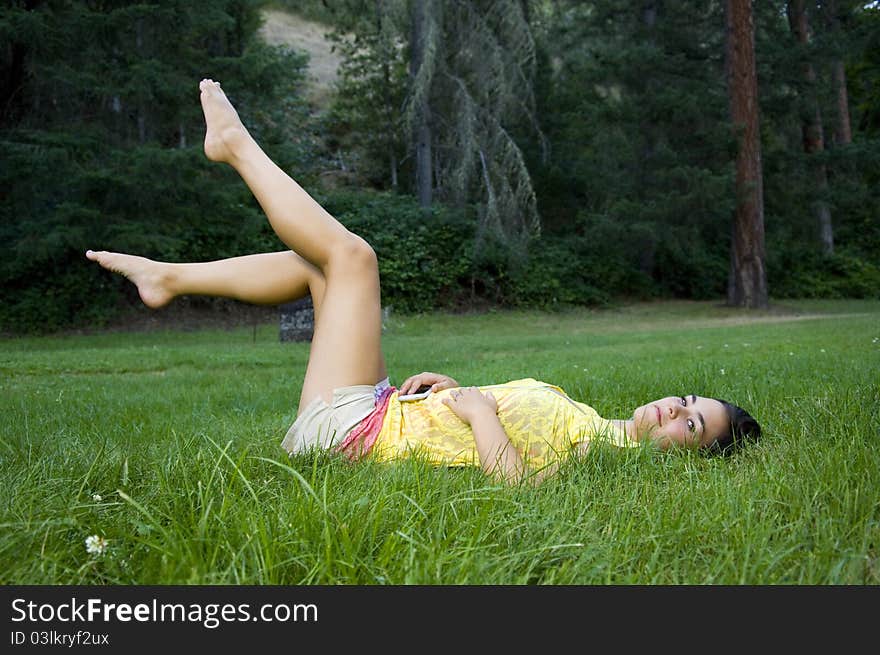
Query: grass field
{"points": [[166, 444]]}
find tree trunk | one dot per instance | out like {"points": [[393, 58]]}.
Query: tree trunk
{"points": [[748, 277], [649, 13], [389, 123], [842, 129], [424, 175], [141, 104], [388, 104], [647, 125], [14, 80], [811, 125], [393, 163]]}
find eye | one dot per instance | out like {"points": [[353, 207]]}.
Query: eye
{"points": [[691, 425], [683, 401]]}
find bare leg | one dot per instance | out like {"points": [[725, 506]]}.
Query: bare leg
{"points": [[264, 279], [299, 221], [337, 267], [346, 346]]}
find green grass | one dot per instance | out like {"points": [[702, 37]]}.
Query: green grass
{"points": [[167, 444]]}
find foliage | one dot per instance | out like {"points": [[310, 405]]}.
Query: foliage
{"points": [[808, 274], [472, 88], [429, 262], [631, 169], [110, 158], [365, 123], [422, 258]]}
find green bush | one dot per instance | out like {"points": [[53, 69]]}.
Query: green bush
{"points": [[804, 273], [163, 203], [427, 260], [555, 275], [598, 260], [423, 256], [684, 268]]}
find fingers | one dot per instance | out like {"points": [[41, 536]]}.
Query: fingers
{"points": [[412, 383], [453, 402], [445, 382], [437, 381], [459, 393], [454, 396]]}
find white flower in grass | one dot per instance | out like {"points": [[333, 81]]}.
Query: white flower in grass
{"points": [[722, 371], [97, 498], [96, 545]]}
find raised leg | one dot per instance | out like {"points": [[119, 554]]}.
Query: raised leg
{"points": [[298, 220], [263, 279], [346, 345]]}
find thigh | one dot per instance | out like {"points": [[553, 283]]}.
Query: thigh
{"points": [[346, 347]]}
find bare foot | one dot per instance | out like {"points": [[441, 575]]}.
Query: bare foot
{"points": [[225, 131], [150, 277]]}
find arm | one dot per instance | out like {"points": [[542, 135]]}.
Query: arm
{"points": [[498, 456]]}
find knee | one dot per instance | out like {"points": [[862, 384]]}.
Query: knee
{"points": [[354, 254]]}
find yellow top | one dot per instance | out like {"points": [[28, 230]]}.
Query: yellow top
{"points": [[540, 420]]}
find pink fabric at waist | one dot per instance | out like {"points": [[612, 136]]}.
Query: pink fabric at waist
{"points": [[362, 437]]}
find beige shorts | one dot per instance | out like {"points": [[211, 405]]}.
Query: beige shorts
{"points": [[324, 426]]}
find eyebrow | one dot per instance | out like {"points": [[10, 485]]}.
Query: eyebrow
{"points": [[699, 414]]}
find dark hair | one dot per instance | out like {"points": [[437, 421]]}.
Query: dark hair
{"points": [[742, 428]]}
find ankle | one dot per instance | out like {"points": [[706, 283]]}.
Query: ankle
{"points": [[169, 278], [240, 145]]}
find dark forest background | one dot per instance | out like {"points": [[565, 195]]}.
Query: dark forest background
{"points": [[495, 153]]}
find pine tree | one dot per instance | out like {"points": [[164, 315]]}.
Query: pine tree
{"points": [[100, 142], [467, 100]]}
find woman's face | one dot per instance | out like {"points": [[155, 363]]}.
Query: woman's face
{"points": [[690, 421]]}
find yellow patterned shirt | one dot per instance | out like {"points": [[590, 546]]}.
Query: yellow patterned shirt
{"points": [[540, 420]]}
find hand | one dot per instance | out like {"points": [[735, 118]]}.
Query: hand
{"points": [[470, 402], [436, 381]]}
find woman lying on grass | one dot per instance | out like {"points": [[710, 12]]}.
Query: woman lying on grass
{"points": [[514, 431]]}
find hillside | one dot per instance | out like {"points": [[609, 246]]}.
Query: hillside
{"points": [[285, 28]]}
